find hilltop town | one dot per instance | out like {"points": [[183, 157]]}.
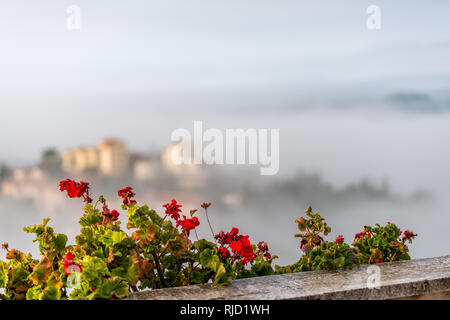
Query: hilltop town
{"points": [[108, 164]]}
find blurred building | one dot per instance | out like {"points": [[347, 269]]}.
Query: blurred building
{"points": [[32, 184], [80, 160], [110, 158], [23, 182], [113, 158], [145, 168], [169, 156], [188, 175]]}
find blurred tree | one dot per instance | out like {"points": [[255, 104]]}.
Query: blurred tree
{"points": [[4, 172], [51, 161]]}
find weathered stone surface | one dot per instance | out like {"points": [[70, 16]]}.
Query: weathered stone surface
{"points": [[404, 279]]}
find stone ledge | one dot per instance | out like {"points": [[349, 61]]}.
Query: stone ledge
{"points": [[414, 279]]}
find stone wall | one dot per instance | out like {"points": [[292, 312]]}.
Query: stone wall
{"points": [[414, 279]]}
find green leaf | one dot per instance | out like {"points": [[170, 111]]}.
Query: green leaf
{"points": [[60, 242], [127, 271], [167, 225], [262, 268], [170, 262], [176, 246], [172, 278], [93, 268], [111, 238], [197, 277], [34, 293], [206, 258], [118, 237], [90, 219], [222, 277], [204, 244], [3, 274], [112, 287], [41, 271], [51, 293]]}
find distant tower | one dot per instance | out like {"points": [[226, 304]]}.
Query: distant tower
{"points": [[113, 158]]}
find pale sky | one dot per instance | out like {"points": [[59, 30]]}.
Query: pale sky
{"points": [[149, 49]]}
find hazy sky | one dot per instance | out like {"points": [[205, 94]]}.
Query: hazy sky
{"points": [[148, 49], [140, 69]]}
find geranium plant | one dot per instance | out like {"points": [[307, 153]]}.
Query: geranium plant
{"points": [[108, 263], [373, 245], [159, 251]]}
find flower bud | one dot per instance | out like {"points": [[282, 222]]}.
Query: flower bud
{"points": [[205, 205]]}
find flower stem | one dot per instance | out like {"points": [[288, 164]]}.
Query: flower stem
{"points": [[158, 268], [196, 235], [209, 223]]}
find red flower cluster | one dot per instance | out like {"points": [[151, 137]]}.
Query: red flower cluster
{"points": [[315, 242], [110, 215], [76, 189], [227, 238], [188, 224], [262, 246], [339, 239], [69, 264], [126, 194], [244, 249], [379, 261], [264, 249], [362, 234], [224, 253], [408, 235], [240, 246], [173, 209]]}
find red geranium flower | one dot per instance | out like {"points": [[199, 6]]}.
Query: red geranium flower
{"points": [[173, 209], [76, 189], [263, 246], [109, 215], [303, 243], [264, 249], [224, 253], [227, 238], [339, 239], [362, 234], [69, 256], [188, 224], [236, 246], [243, 249], [408, 235], [69, 264], [126, 194], [234, 231], [240, 246], [115, 215]]}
